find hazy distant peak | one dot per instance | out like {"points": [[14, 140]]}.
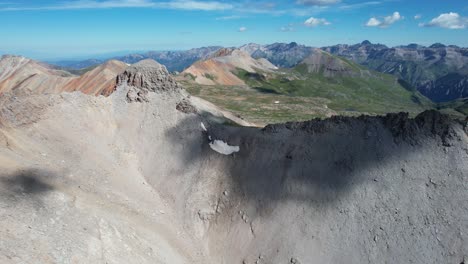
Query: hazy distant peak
{"points": [[437, 46], [148, 63]]}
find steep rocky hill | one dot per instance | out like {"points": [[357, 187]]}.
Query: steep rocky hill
{"points": [[22, 75], [88, 179], [320, 62], [285, 55], [222, 66]]}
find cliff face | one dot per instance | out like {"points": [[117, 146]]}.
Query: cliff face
{"points": [[103, 179]]}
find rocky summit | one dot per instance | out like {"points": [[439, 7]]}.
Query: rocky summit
{"points": [[146, 76]]}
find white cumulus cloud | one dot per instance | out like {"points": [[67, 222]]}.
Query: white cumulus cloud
{"points": [[448, 20], [314, 22], [418, 16], [384, 22], [242, 29]]}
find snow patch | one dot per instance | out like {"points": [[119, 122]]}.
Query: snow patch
{"points": [[203, 127], [223, 147]]}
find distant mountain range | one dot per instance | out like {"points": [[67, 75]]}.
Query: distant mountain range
{"points": [[281, 54], [439, 72], [173, 60]]}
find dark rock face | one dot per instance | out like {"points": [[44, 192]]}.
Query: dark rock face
{"points": [[146, 76], [185, 106], [403, 128]]}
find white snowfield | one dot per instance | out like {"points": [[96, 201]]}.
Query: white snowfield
{"points": [[223, 147], [203, 127]]}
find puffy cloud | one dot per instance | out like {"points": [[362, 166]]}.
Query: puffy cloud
{"points": [[418, 16], [242, 29], [373, 22], [314, 22], [318, 2], [448, 20], [385, 22]]}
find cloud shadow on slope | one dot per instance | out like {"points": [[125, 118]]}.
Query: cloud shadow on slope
{"points": [[30, 182]]}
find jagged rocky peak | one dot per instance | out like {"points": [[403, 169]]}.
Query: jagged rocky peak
{"points": [[222, 52], [366, 42], [437, 46], [146, 76], [293, 44]]}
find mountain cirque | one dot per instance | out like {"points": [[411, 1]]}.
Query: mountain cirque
{"points": [[90, 179], [22, 75]]}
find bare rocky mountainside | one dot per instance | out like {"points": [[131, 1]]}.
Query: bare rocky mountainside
{"points": [[22, 75], [221, 67], [151, 174]]}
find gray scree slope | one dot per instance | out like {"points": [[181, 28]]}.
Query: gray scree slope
{"points": [[131, 179]]}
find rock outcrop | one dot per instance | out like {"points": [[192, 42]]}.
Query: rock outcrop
{"points": [[146, 76]]}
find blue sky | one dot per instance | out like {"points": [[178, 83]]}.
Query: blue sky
{"points": [[53, 29]]}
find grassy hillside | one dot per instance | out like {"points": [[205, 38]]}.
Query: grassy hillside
{"points": [[457, 108], [377, 94], [299, 94]]}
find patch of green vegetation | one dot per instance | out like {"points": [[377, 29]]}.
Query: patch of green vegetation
{"points": [[190, 76], [209, 76], [376, 94], [457, 108]]}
